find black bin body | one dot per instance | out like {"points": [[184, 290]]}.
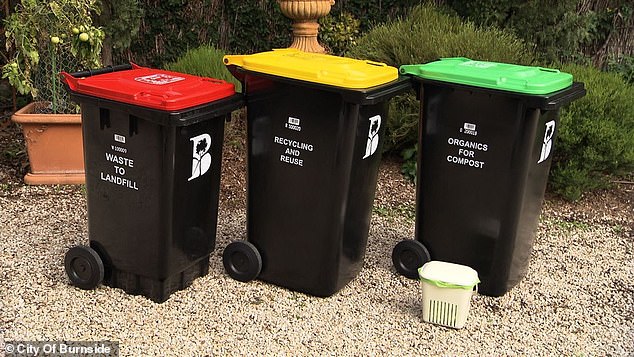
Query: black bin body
{"points": [[152, 182], [310, 219], [484, 160]]}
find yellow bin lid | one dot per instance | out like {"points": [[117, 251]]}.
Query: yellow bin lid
{"points": [[317, 68]]}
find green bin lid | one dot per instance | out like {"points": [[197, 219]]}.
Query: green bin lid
{"points": [[493, 75]]}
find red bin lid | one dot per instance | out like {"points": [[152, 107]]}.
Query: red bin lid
{"points": [[152, 88]]}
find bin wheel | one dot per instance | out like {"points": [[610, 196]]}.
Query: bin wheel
{"points": [[84, 267], [242, 261], [408, 256]]}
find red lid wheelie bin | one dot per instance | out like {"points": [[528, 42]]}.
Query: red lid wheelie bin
{"points": [[152, 147]]}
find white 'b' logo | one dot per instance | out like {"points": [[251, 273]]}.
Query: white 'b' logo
{"points": [[201, 158], [373, 136], [547, 146]]}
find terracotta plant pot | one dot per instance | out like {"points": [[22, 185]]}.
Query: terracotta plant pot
{"points": [[54, 145]]}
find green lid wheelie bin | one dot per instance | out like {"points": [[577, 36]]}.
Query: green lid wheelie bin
{"points": [[486, 138], [152, 149], [315, 127]]}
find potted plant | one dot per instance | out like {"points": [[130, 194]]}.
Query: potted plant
{"points": [[47, 38]]}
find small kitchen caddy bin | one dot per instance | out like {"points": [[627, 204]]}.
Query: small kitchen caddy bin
{"points": [[447, 291]]}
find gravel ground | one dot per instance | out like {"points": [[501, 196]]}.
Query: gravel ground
{"points": [[577, 298]]}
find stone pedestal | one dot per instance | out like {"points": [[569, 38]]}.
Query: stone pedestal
{"points": [[305, 14]]}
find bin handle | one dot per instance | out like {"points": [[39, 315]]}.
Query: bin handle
{"points": [[378, 64], [72, 79], [405, 84], [107, 69], [552, 70], [235, 60], [578, 92]]}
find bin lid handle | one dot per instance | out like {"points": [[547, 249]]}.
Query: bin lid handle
{"points": [[236, 60], [72, 79]]}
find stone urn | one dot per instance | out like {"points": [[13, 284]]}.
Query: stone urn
{"points": [[304, 14]]}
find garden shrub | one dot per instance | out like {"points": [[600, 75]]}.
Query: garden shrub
{"points": [[204, 61], [596, 134], [373, 13], [565, 30], [425, 35], [338, 33], [428, 34], [623, 65], [555, 27]]}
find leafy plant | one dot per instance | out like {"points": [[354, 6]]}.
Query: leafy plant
{"points": [[339, 32], [171, 28], [48, 37], [596, 135], [623, 65], [373, 13], [583, 31], [556, 28], [410, 164], [428, 34], [121, 20]]}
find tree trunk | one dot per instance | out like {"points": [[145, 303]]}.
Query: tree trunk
{"points": [[103, 19]]}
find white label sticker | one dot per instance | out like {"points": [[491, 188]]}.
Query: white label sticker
{"points": [[469, 128], [373, 136], [547, 145], [201, 157], [478, 64], [159, 79], [293, 124], [119, 138]]}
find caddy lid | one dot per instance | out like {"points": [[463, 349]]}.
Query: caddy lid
{"points": [[448, 275]]}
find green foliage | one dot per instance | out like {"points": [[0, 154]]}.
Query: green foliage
{"points": [[49, 37], [624, 66], [425, 35], [596, 135], [409, 168], [256, 25], [402, 127], [557, 28], [339, 32], [374, 13], [121, 21], [204, 61], [168, 33], [428, 34], [170, 28]]}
